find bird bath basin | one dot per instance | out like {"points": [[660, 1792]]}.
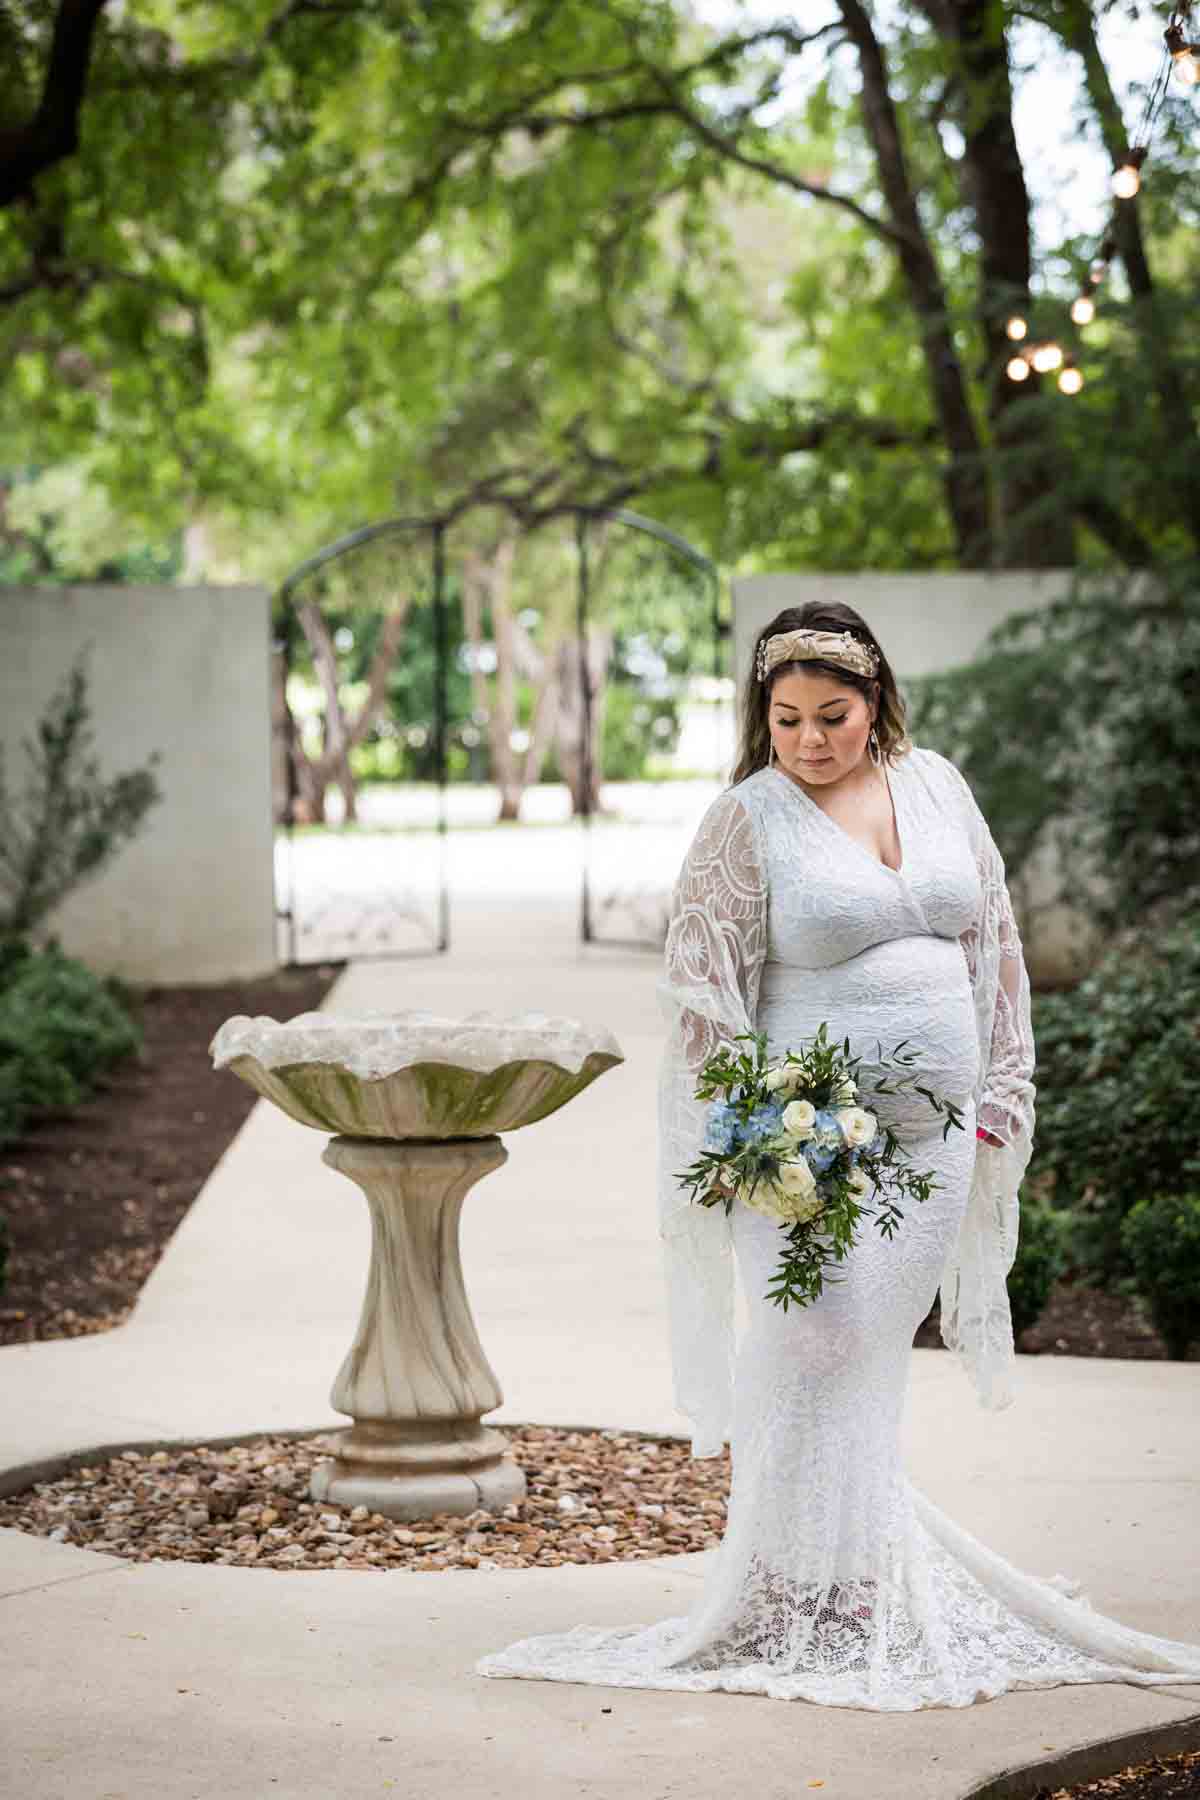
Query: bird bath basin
{"points": [[416, 1102]]}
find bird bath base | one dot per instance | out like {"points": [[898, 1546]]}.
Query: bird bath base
{"points": [[395, 1473], [415, 1380]]}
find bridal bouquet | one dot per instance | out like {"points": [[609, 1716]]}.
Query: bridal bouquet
{"points": [[789, 1138]]}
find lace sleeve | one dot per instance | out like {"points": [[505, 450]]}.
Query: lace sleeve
{"points": [[976, 1321], [716, 942]]}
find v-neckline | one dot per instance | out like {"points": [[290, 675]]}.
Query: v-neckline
{"points": [[841, 829]]}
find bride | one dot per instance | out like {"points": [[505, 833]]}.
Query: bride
{"points": [[846, 875]]}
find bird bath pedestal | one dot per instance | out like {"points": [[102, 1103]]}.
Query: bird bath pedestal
{"points": [[417, 1102]]}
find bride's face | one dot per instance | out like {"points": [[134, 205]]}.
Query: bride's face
{"points": [[819, 726]]}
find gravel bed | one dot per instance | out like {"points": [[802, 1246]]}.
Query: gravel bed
{"points": [[593, 1497]]}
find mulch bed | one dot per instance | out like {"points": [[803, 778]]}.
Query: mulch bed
{"points": [[1159, 1778], [92, 1196]]}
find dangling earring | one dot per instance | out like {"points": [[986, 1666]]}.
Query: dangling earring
{"points": [[873, 750]]}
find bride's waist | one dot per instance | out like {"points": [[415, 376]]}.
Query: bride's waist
{"points": [[912, 987], [915, 964]]}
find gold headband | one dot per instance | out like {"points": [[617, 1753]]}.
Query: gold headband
{"points": [[840, 647]]}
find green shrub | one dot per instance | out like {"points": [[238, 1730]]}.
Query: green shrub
{"points": [[1161, 1237], [1111, 780], [1040, 1260], [69, 823], [60, 1026], [1118, 1089]]}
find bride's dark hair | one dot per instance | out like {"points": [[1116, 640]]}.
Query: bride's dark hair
{"points": [[754, 746]]}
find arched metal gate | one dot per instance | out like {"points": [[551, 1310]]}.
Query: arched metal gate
{"points": [[635, 617]]}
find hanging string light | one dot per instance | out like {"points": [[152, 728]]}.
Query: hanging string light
{"points": [[1181, 57], [1127, 176], [1185, 57]]}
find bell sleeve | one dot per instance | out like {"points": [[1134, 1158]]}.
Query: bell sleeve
{"points": [[976, 1323], [708, 995]]}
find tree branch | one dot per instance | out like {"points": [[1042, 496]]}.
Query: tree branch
{"points": [[53, 132]]}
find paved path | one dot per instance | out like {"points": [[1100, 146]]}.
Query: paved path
{"points": [[375, 888], [173, 1680]]}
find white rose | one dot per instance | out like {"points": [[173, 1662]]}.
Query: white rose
{"points": [[858, 1127], [790, 1199], [798, 1119], [846, 1092], [799, 1188], [805, 1210], [776, 1079], [860, 1185], [796, 1179], [764, 1197]]}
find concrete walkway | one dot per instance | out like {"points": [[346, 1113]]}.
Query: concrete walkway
{"points": [[174, 1680]]}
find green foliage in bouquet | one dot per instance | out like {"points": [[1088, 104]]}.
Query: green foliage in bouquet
{"points": [[788, 1138], [1118, 1077], [1161, 1236]]}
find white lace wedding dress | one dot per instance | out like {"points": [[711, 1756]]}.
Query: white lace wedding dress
{"points": [[836, 1580]]}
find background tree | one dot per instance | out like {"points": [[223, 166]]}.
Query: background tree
{"points": [[359, 283]]}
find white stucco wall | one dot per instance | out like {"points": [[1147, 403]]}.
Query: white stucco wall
{"points": [[183, 671], [926, 624]]}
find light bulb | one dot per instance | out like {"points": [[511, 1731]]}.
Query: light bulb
{"points": [[1016, 327], [1047, 357], [1126, 181], [1183, 59], [1018, 369], [1070, 381], [1083, 310]]}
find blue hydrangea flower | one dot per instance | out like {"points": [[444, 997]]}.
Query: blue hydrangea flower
{"points": [[764, 1122], [721, 1131], [819, 1156]]}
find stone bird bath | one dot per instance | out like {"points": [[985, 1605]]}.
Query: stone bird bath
{"points": [[417, 1103]]}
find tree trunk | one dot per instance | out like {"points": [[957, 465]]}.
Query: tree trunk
{"points": [[585, 796], [965, 479], [340, 732], [308, 793], [1025, 464], [491, 579]]}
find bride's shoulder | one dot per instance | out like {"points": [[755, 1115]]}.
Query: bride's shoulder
{"points": [[932, 765], [752, 793], [738, 806], [945, 781]]}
